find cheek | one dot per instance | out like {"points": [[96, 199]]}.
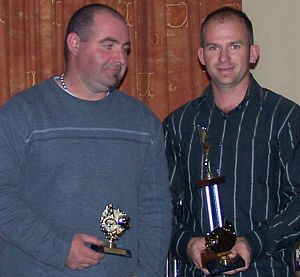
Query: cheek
{"points": [[86, 59], [94, 57], [210, 60]]}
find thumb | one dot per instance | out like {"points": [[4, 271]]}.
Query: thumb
{"points": [[91, 239]]}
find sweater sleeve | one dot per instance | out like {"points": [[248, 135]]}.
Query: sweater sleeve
{"points": [[20, 225], [154, 210], [282, 231]]}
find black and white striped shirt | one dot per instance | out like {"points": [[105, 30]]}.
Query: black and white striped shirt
{"points": [[250, 146]]}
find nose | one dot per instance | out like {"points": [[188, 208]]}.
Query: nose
{"points": [[120, 56], [223, 55]]}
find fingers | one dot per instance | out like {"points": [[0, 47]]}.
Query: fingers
{"points": [[242, 249], [195, 249], [90, 239], [80, 255]]}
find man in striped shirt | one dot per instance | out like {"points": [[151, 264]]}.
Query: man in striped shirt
{"points": [[253, 134]]}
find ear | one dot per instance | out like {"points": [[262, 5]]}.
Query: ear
{"points": [[201, 56], [254, 53], [73, 42]]}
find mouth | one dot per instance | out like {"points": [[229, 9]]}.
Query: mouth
{"points": [[114, 68], [225, 70]]}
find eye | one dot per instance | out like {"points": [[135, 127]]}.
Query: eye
{"points": [[126, 50], [235, 46], [108, 45], [212, 47]]}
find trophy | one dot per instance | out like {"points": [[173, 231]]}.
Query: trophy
{"points": [[113, 223], [222, 236]]}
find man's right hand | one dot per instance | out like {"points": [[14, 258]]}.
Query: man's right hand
{"points": [[195, 248], [80, 255]]}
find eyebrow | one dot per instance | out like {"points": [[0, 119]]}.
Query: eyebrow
{"points": [[237, 42], [230, 43]]}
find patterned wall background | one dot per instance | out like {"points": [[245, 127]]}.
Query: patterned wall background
{"points": [[164, 71]]}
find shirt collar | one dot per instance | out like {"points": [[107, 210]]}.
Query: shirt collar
{"points": [[254, 93]]}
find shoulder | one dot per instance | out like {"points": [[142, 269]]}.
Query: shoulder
{"points": [[134, 114], [272, 102], [132, 106], [181, 122], [22, 110], [185, 113], [31, 95], [270, 98]]}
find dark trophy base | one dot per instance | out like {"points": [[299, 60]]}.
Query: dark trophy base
{"points": [[112, 250], [215, 267]]}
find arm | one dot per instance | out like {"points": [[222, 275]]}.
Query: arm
{"points": [[154, 210], [282, 230], [183, 220], [20, 225]]}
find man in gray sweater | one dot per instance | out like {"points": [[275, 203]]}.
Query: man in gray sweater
{"points": [[73, 144]]}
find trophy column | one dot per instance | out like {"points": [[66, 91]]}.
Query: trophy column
{"points": [[222, 236]]}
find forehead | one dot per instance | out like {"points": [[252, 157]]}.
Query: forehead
{"points": [[230, 28], [106, 24]]}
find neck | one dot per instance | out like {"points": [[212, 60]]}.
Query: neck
{"points": [[227, 104], [84, 96], [228, 98]]}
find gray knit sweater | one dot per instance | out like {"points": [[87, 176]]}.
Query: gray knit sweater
{"points": [[62, 161]]}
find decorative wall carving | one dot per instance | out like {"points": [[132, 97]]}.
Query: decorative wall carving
{"points": [[146, 87], [184, 20]]}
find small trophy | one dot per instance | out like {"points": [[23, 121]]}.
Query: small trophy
{"points": [[222, 236], [113, 223]]}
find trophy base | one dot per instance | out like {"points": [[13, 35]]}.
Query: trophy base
{"points": [[216, 267], [210, 181], [112, 250]]}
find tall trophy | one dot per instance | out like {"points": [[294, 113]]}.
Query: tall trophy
{"points": [[222, 236], [113, 223]]}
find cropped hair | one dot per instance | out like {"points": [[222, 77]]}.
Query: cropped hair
{"points": [[226, 13], [82, 21]]}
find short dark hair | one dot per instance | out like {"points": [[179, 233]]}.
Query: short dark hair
{"points": [[82, 21], [224, 13]]}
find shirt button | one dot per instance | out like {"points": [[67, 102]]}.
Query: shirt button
{"points": [[220, 143]]}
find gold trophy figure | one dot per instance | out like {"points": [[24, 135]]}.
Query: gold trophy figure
{"points": [[222, 236], [113, 223]]}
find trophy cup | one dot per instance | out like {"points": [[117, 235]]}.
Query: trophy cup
{"points": [[113, 223], [222, 236]]}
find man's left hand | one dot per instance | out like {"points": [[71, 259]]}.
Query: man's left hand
{"points": [[242, 249]]}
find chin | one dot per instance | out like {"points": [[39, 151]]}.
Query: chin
{"points": [[114, 85]]}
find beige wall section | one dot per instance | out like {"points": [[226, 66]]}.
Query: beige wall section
{"points": [[276, 26]]}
